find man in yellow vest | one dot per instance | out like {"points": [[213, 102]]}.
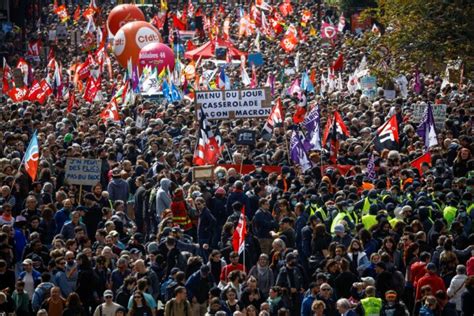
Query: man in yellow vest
{"points": [[370, 305], [370, 219]]}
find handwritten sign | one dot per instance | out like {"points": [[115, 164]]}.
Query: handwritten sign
{"points": [[82, 171], [439, 114]]}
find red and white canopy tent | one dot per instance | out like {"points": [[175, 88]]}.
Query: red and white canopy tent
{"points": [[207, 50]]}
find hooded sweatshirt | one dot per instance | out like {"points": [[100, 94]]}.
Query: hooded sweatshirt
{"points": [[118, 189], [163, 197]]}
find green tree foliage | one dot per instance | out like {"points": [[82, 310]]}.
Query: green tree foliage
{"points": [[422, 33], [351, 6]]}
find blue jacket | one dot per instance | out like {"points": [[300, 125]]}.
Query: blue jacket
{"points": [[20, 243], [199, 287], [237, 196], [306, 305], [118, 190], [40, 293], [60, 279], [61, 217], [36, 276], [263, 224]]}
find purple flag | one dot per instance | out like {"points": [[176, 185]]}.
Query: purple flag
{"points": [[298, 153], [418, 86], [135, 78], [311, 122], [427, 129], [371, 175]]}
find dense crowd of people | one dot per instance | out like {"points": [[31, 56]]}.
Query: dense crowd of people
{"points": [[148, 239]]}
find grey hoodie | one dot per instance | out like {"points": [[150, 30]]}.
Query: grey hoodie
{"points": [[163, 197]]}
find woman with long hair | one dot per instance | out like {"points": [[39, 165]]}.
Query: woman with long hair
{"points": [[320, 243], [74, 306], [139, 306], [389, 247], [460, 165], [358, 257]]}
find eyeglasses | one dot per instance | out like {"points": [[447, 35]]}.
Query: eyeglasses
{"points": [[62, 263], [325, 289]]}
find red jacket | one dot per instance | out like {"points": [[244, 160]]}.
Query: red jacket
{"points": [[431, 279], [417, 271], [179, 210]]}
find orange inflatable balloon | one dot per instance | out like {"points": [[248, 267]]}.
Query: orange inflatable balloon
{"points": [[123, 14], [131, 38]]}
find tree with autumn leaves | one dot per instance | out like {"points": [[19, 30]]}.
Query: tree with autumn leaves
{"points": [[423, 34]]}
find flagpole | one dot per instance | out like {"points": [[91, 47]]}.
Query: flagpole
{"points": [[370, 143], [19, 168], [287, 145]]}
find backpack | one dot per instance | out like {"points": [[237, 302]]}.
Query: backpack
{"points": [[163, 287], [152, 200]]}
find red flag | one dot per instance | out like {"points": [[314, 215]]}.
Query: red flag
{"points": [[18, 94], [286, 9], [72, 102], [61, 11], [92, 88], [305, 17], [110, 112], [34, 48], [238, 239], [312, 76], [420, 160], [34, 91], [328, 31], [82, 71], [289, 42], [77, 14], [300, 112], [88, 13], [179, 24], [338, 63]]}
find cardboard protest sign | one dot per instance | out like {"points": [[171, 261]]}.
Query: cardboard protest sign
{"points": [[82, 171]]}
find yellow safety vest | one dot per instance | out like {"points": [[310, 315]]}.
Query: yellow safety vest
{"points": [[372, 306], [369, 221]]}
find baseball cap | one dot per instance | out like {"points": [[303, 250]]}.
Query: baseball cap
{"points": [[368, 280], [27, 261], [108, 293], [339, 228]]}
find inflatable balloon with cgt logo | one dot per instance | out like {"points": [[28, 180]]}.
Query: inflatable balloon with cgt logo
{"points": [[131, 38], [123, 14]]}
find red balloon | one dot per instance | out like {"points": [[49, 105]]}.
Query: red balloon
{"points": [[131, 38], [156, 55], [121, 15]]}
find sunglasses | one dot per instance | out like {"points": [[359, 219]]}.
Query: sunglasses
{"points": [[108, 296], [325, 290]]}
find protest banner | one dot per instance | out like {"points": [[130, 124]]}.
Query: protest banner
{"points": [[232, 104], [82, 171], [439, 114]]}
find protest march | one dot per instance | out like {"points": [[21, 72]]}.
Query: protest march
{"points": [[236, 158]]}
